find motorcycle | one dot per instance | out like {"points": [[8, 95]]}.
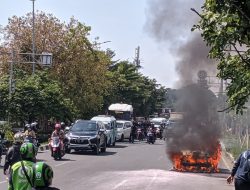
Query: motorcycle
{"points": [[159, 132], [56, 148], [140, 135], [150, 137]]}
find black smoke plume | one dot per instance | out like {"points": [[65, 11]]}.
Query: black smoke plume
{"points": [[170, 23]]}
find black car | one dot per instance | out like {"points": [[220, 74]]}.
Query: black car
{"points": [[86, 135]]}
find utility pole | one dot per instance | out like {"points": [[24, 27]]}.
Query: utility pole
{"points": [[137, 61], [11, 81], [33, 38]]}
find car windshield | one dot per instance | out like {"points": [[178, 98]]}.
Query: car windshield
{"points": [[84, 126], [119, 125]]}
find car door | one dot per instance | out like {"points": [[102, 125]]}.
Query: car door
{"points": [[128, 129]]}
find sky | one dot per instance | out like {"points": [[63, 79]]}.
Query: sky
{"points": [[123, 22]]}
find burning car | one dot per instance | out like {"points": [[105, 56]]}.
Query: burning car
{"points": [[197, 161]]}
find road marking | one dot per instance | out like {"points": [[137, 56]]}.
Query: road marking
{"points": [[60, 164], [152, 181], [120, 184], [3, 181]]}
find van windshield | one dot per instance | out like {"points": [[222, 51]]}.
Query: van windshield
{"points": [[107, 125], [119, 125]]}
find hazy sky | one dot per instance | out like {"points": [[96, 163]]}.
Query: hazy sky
{"points": [[122, 22]]}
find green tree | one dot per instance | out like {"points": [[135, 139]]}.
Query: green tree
{"points": [[36, 97], [78, 65], [128, 85], [225, 26]]}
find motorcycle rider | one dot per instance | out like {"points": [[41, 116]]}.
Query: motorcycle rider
{"points": [[29, 133], [44, 176], [13, 154], [21, 173], [59, 133]]}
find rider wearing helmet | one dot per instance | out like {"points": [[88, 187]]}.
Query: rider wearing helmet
{"points": [[43, 176], [58, 132], [21, 173], [63, 125], [30, 133], [13, 154]]}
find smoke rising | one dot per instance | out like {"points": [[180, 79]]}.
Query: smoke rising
{"points": [[170, 23]]}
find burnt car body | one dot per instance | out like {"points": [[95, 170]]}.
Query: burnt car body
{"points": [[86, 135]]}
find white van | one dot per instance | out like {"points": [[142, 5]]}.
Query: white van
{"points": [[123, 129], [111, 127]]}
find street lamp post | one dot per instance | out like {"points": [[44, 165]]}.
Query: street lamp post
{"points": [[33, 38]]}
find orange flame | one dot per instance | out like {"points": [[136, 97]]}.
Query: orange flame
{"points": [[197, 161]]}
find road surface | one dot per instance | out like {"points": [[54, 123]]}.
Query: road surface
{"points": [[126, 167]]}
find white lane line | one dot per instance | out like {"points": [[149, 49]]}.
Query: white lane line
{"points": [[3, 181], [120, 184], [60, 164], [149, 186]]}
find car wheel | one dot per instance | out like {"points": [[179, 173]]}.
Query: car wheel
{"points": [[103, 149], [122, 138], [68, 150], [109, 143], [113, 144], [97, 149]]}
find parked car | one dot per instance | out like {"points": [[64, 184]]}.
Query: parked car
{"points": [[123, 129], [110, 126], [86, 135]]}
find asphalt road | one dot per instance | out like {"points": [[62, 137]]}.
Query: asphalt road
{"points": [[126, 167]]}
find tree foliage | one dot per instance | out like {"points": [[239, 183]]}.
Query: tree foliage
{"points": [[35, 97], [78, 65], [130, 86], [225, 26], [82, 81]]}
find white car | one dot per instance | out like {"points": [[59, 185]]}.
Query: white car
{"points": [[123, 129]]}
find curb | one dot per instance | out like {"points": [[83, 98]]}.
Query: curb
{"points": [[44, 147]]}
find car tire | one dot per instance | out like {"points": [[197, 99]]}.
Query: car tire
{"points": [[113, 144], [68, 150], [97, 149], [103, 149], [122, 138], [109, 143]]}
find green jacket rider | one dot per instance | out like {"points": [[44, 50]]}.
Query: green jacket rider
{"points": [[17, 178]]}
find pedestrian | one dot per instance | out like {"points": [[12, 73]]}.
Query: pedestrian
{"points": [[22, 173], [13, 154], [241, 172]]}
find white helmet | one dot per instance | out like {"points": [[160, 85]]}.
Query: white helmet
{"points": [[18, 137]]}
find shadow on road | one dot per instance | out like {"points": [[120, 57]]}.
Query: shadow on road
{"points": [[65, 159], [118, 146], [90, 153], [223, 173]]}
